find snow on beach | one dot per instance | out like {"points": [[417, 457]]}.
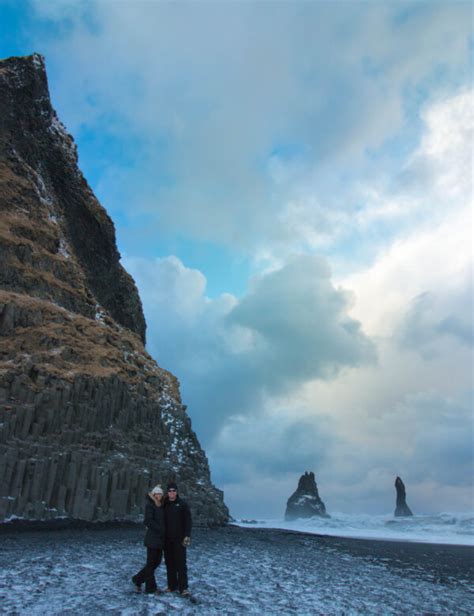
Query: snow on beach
{"points": [[232, 571], [447, 528]]}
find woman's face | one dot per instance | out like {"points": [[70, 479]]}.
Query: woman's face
{"points": [[158, 498]]}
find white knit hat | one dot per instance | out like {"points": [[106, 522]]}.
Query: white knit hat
{"points": [[157, 490]]}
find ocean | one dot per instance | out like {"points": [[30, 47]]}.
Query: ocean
{"points": [[447, 528]]}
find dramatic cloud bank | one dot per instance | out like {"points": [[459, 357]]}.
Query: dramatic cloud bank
{"points": [[291, 327], [284, 379]]}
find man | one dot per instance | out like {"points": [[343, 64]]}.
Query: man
{"points": [[177, 539]]}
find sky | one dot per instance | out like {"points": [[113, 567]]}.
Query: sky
{"points": [[291, 185]]}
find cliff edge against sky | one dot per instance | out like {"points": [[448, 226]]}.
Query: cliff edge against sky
{"points": [[88, 420]]}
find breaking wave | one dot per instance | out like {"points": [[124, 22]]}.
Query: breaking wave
{"points": [[449, 528]]}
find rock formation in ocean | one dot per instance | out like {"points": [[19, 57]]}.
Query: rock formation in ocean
{"points": [[88, 420], [305, 501], [402, 509]]}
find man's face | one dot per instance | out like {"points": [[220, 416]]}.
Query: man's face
{"points": [[172, 493]]}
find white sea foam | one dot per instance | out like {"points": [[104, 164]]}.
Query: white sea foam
{"points": [[447, 528]]}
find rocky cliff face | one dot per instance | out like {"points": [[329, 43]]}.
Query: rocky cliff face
{"points": [[88, 420], [305, 501], [401, 508]]}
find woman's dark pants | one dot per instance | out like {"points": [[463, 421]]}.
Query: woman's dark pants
{"points": [[176, 568], [147, 574]]}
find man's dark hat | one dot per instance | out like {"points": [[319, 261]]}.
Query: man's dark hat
{"points": [[172, 484]]}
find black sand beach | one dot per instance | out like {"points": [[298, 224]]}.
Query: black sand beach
{"points": [[87, 569]]}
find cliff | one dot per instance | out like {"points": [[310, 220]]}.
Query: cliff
{"points": [[88, 420], [305, 502]]}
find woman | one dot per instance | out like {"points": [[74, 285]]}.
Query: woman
{"points": [[154, 541]]}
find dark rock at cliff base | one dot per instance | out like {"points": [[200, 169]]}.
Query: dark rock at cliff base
{"points": [[88, 420], [305, 501], [402, 509]]}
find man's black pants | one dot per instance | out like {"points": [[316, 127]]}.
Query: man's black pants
{"points": [[147, 574], [176, 568]]}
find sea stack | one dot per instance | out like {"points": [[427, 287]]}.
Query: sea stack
{"points": [[88, 420], [402, 509], [305, 501]]}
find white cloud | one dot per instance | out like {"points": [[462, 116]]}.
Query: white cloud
{"points": [[435, 254], [446, 147], [439, 175], [231, 355], [185, 329], [208, 122], [435, 260]]}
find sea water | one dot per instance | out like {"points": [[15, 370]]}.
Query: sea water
{"points": [[446, 528]]}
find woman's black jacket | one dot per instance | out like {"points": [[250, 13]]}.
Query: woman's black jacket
{"points": [[155, 524]]}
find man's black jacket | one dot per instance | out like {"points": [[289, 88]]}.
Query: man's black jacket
{"points": [[177, 519]]}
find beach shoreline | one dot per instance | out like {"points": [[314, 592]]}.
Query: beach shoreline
{"points": [[233, 570], [368, 538], [19, 525]]}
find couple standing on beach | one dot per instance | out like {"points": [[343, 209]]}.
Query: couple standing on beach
{"points": [[168, 523]]}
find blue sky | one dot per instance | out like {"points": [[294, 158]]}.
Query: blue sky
{"points": [[291, 185]]}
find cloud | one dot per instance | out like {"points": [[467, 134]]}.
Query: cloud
{"points": [[443, 161], [299, 324], [232, 355], [431, 253], [424, 437], [258, 459], [435, 260], [336, 213], [405, 416], [211, 127], [185, 330], [444, 453], [433, 317], [285, 378], [266, 447]]}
